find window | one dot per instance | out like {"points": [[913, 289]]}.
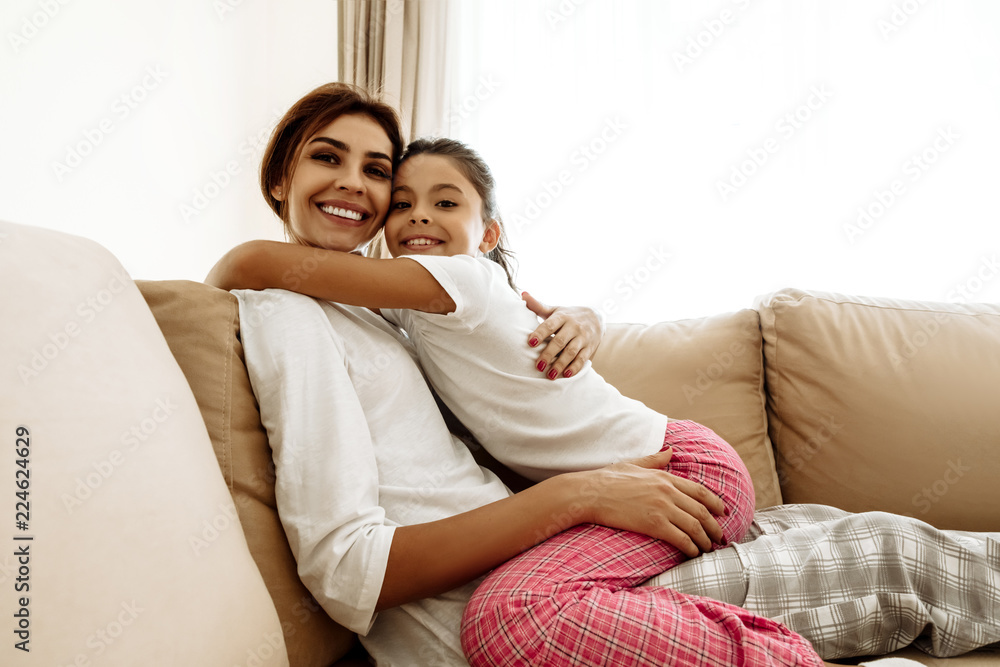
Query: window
{"points": [[662, 160]]}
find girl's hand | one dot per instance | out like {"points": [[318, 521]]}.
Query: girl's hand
{"points": [[638, 496], [227, 272], [567, 338]]}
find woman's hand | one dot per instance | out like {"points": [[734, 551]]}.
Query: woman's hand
{"points": [[639, 496], [567, 338]]}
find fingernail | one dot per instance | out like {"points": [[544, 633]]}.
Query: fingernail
{"points": [[567, 373], [533, 342], [552, 374], [727, 511], [541, 365]]}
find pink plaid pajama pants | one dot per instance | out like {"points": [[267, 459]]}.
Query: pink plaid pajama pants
{"points": [[576, 598]]}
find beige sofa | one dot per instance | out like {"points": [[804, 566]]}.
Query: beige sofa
{"points": [[860, 403]]}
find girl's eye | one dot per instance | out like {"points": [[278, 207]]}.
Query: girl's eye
{"points": [[446, 203], [400, 205]]}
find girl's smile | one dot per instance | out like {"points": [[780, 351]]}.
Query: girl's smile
{"points": [[436, 211]]}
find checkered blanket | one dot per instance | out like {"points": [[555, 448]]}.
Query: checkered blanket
{"points": [[857, 584]]}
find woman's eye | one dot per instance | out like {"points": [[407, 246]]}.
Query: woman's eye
{"points": [[379, 172], [326, 157]]}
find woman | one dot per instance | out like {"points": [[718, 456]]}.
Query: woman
{"points": [[385, 511]]}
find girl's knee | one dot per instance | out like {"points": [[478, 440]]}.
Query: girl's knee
{"points": [[494, 629], [702, 456]]}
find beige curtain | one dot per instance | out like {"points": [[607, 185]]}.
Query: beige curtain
{"points": [[404, 50]]}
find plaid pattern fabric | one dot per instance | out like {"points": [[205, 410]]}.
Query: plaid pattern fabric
{"points": [[858, 584], [575, 599]]}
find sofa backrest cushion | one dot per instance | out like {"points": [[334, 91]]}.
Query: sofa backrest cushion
{"points": [[201, 325], [709, 370], [885, 404]]}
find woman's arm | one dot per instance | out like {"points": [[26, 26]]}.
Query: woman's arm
{"points": [[330, 275], [327, 475], [431, 558]]}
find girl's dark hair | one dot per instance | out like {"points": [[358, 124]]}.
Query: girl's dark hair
{"points": [[308, 116], [475, 170]]}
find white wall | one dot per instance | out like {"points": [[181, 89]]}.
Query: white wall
{"points": [[541, 79], [144, 104]]}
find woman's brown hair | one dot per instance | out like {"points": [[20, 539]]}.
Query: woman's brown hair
{"points": [[314, 111]]}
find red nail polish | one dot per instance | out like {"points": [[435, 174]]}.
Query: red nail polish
{"points": [[567, 373], [533, 342], [552, 374], [541, 365]]}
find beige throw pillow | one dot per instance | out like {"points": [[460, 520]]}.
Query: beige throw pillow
{"points": [[201, 324]]}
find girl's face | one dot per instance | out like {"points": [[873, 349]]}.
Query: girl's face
{"points": [[436, 211], [339, 193]]}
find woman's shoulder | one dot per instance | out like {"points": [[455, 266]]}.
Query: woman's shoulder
{"points": [[276, 310]]}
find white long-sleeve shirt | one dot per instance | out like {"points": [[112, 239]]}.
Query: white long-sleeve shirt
{"points": [[478, 361], [360, 448]]}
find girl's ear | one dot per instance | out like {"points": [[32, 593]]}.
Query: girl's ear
{"points": [[490, 237]]}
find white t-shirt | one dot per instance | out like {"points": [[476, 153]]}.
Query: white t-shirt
{"points": [[360, 447], [478, 360]]}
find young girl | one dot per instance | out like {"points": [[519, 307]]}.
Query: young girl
{"points": [[468, 326]]}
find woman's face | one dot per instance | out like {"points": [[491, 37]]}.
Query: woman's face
{"points": [[340, 191]]}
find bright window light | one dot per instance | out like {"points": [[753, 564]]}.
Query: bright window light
{"points": [[663, 160]]}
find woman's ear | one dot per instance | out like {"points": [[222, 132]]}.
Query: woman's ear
{"points": [[491, 237], [279, 192]]}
